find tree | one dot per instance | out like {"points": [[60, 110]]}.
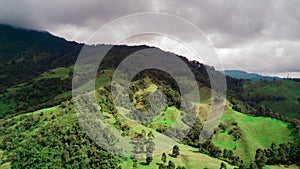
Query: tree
{"points": [[134, 165], [200, 148], [230, 154], [150, 135], [164, 157], [161, 166], [253, 165], [175, 151], [260, 158], [215, 151], [242, 166], [223, 166], [225, 153], [236, 161], [180, 167], [171, 165], [149, 158]]}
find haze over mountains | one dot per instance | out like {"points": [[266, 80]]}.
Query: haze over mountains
{"points": [[239, 74]]}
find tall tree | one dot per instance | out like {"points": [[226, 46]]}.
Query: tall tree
{"points": [[223, 166], [175, 151], [164, 157], [171, 165], [149, 158], [260, 158]]}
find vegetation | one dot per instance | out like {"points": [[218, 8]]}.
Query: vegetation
{"points": [[272, 95], [40, 129], [51, 138]]}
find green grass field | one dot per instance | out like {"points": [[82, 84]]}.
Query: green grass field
{"points": [[61, 72], [189, 157], [257, 132], [274, 94]]}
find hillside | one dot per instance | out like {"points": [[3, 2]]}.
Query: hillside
{"points": [[257, 132], [41, 128], [280, 96], [25, 54]]}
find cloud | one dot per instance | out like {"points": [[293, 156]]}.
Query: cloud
{"points": [[258, 36]]}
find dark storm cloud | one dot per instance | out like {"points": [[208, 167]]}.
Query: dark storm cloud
{"points": [[258, 35]]}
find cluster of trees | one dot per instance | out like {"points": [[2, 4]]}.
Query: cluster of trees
{"points": [[287, 153], [36, 95], [236, 133], [193, 136], [143, 144], [209, 148], [43, 140], [229, 156], [170, 164]]}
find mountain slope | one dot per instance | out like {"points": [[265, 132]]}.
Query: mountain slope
{"points": [[25, 54], [41, 128], [282, 97]]}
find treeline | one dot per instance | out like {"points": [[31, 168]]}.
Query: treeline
{"points": [[286, 154], [256, 110]]}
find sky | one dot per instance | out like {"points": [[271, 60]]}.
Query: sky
{"points": [[260, 36]]}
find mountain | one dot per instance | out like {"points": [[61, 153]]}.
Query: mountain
{"points": [[40, 127], [25, 54], [250, 76]]}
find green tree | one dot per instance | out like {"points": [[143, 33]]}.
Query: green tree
{"points": [[253, 165], [225, 153], [223, 166], [260, 158], [149, 158], [151, 135], [134, 165], [171, 165], [164, 157], [175, 151]]}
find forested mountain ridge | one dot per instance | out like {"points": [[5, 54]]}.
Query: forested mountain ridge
{"points": [[25, 54], [41, 128]]}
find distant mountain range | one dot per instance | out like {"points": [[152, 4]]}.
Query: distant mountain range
{"points": [[239, 74]]}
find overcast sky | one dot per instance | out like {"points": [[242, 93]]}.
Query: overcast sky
{"points": [[261, 36]]}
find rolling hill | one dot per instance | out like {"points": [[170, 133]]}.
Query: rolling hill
{"points": [[41, 128], [280, 96]]}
